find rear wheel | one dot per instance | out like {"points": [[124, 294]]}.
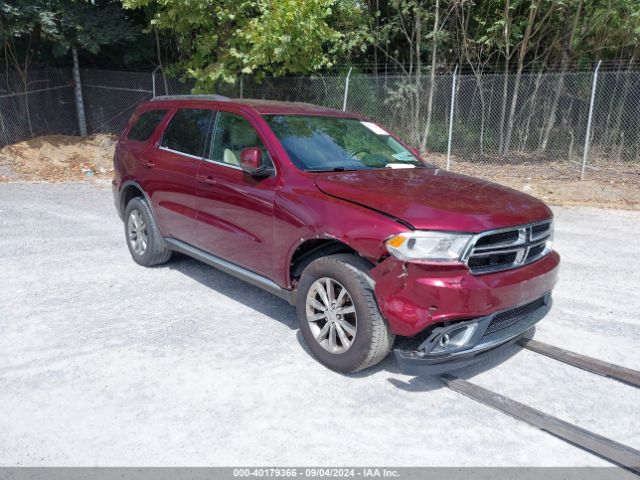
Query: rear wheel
{"points": [[143, 236], [339, 316]]}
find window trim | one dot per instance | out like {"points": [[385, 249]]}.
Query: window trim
{"points": [[177, 152], [212, 130], [168, 124], [217, 162]]}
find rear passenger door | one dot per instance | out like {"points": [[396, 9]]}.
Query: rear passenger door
{"points": [[169, 172]]}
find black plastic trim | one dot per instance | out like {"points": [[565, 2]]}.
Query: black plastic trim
{"points": [[232, 269], [417, 362]]}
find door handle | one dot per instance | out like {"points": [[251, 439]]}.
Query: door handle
{"points": [[207, 180], [148, 164]]}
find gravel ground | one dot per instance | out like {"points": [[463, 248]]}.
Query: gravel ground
{"points": [[104, 362]]}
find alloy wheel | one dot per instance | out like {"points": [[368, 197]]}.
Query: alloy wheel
{"points": [[137, 230], [331, 315]]}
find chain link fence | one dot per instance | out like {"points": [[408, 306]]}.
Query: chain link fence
{"points": [[40, 102], [110, 97], [475, 126], [533, 125]]}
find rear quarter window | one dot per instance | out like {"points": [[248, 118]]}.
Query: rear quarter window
{"points": [[187, 130], [145, 125]]}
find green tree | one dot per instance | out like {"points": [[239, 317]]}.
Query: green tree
{"points": [[21, 24], [87, 25], [221, 39], [66, 26]]}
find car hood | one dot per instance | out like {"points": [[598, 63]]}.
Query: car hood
{"points": [[435, 199]]}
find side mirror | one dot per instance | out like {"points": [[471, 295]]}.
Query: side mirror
{"points": [[251, 162], [415, 151]]}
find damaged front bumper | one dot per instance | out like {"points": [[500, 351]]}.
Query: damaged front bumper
{"points": [[459, 344]]}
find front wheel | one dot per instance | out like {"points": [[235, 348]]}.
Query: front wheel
{"points": [[338, 314]]}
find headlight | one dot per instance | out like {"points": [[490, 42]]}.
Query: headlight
{"points": [[428, 246]]}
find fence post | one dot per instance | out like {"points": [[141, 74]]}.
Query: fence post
{"points": [[82, 120], [241, 85], [346, 90], [453, 101], [153, 80], [587, 138]]}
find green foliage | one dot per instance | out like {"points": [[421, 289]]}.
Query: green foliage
{"points": [[58, 25], [610, 26], [220, 39], [289, 37], [20, 18], [88, 26]]}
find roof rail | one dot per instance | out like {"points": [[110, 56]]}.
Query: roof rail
{"points": [[192, 97]]}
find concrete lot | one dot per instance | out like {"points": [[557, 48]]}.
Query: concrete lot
{"points": [[104, 362]]}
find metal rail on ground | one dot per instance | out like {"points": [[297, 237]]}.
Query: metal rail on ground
{"points": [[593, 365], [610, 450]]}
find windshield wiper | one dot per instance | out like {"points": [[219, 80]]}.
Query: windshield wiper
{"points": [[334, 169]]}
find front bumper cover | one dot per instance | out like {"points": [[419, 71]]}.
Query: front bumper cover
{"points": [[480, 345], [414, 297]]}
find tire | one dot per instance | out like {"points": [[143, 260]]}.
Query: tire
{"points": [[155, 251], [373, 338]]}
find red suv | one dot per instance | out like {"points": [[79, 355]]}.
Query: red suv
{"points": [[339, 217]]}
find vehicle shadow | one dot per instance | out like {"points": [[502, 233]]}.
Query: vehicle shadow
{"points": [[235, 289], [279, 310], [430, 383]]}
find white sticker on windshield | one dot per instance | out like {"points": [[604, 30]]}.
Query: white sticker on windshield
{"points": [[374, 128], [400, 165]]}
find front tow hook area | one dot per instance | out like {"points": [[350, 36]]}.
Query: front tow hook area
{"points": [[451, 347], [414, 362]]}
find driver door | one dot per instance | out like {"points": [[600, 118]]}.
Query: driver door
{"points": [[235, 210]]}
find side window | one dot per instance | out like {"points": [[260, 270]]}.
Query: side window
{"points": [[146, 124], [233, 134], [187, 130]]}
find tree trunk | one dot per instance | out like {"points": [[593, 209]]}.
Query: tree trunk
{"points": [[516, 87], [608, 137], [82, 120], [164, 77], [2, 124], [484, 114], [563, 70], [23, 72], [418, 83], [554, 108], [534, 98], [3, 128], [432, 79], [25, 86], [505, 82], [512, 110], [623, 99]]}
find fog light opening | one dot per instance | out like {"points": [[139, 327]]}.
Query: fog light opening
{"points": [[456, 338]]}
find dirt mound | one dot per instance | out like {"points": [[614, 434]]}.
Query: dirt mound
{"points": [[557, 182], [593, 193], [59, 157]]}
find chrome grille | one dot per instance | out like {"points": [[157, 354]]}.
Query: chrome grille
{"points": [[509, 247]]}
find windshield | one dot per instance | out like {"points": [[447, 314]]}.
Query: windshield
{"points": [[316, 143]]}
